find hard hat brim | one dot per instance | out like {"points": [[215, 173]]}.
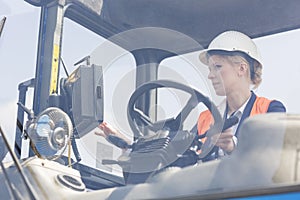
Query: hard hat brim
{"points": [[204, 55]]}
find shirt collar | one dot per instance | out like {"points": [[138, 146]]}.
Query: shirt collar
{"points": [[239, 112], [242, 108]]}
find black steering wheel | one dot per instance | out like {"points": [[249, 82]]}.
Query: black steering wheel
{"points": [[139, 121]]}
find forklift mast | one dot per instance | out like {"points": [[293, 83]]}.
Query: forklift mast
{"points": [[46, 81]]}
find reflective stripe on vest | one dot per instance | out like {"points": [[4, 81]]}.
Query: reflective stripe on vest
{"points": [[205, 119]]}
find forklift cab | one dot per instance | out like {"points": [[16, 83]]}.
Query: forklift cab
{"points": [[142, 74]]}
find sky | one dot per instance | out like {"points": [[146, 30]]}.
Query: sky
{"points": [[18, 59], [17, 54]]}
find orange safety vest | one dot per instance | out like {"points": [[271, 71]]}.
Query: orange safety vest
{"points": [[205, 119]]}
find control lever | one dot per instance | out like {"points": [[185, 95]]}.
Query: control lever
{"points": [[230, 122], [114, 162], [110, 162], [119, 142]]}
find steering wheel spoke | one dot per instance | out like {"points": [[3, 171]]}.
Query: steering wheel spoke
{"points": [[141, 117]]}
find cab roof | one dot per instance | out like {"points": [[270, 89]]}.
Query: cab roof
{"points": [[200, 20]]}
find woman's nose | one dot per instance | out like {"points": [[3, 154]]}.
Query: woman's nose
{"points": [[211, 74]]}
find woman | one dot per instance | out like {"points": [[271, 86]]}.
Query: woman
{"points": [[234, 66]]}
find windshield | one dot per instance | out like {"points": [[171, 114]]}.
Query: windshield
{"points": [[120, 83]]}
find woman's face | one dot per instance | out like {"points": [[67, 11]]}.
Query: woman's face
{"points": [[223, 74]]}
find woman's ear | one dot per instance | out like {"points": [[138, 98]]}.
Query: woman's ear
{"points": [[243, 69]]}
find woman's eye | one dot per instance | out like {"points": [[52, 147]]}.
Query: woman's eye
{"points": [[215, 68], [218, 66]]}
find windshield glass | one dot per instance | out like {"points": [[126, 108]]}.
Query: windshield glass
{"points": [[188, 70]]}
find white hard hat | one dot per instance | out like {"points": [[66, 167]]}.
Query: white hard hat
{"points": [[232, 41]]}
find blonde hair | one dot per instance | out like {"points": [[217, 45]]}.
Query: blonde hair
{"points": [[255, 69]]}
